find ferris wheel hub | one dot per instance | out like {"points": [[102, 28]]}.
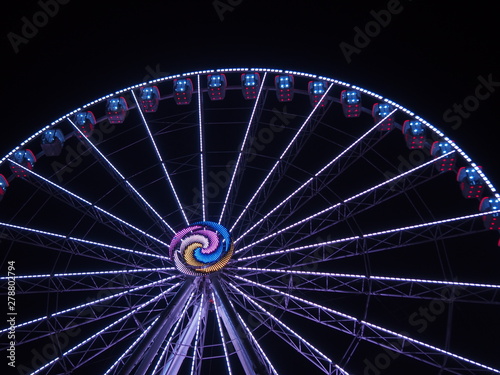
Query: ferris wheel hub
{"points": [[202, 248]]}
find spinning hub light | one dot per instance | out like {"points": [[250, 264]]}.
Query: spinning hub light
{"points": [[201, 248]]}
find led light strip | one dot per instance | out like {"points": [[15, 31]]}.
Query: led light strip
{"points": [[256, 343], [37, 231], [242, 147], [90, 273], [92, 302], [221, 333], [121, 176], [286, 327], [306, 121], [197, 337], [89, 203], [365, 277], [129, 349], [311, 179], [105, 329], [336, 205], [162, 162], [267, 70], [174, 331], [394, 230], [202, 161]]}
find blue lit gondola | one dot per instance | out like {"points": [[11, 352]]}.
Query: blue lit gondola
{"points": [[24, 159], [284, 87], [217, 84], [4, 184], [491, 221], [183, 91], [52, 142], [85, 121], [250, 85], [351, 103], [316, 90], [414, 133], [381, 111], [440, 148], [149, 98], [116, 110], [471, 183]]}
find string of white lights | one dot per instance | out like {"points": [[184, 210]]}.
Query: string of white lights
{"points": [[158, 154], [240, 154], [368, 324], [271, 171]]}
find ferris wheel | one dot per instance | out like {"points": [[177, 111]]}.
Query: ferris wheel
{"points": [[247, 221]]}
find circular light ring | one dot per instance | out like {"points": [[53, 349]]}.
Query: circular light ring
{"points": [[203, 247]]}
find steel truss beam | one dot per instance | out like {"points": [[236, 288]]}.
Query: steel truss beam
{"points": [[250, 357], [375, 334], [150, 344]]}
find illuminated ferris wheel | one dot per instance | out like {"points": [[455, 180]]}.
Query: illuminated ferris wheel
{"points": [[247, 221]]}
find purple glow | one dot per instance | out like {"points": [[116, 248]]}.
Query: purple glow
{"points": [[280, 158], [334, 160], [162, 162], [336, 205], [242, 148], [389, 231], [122, 177]]}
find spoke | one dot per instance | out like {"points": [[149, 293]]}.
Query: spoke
{"points": [[95, 210], [317, 359], [174, 331], [256, 343], [196, 356], [129, 349], [387, 286], [311, 179], [271, 171], [80, 241], [72, 282], [250, 359], [95, 302], [160, 159], [89, 273], [380, 333], [368, 235], [123, 179], [339, 204], [240, 154], [202, 151], [100, 332]]}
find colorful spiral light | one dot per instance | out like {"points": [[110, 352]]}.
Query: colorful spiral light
{"points": [[201, 248]]}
